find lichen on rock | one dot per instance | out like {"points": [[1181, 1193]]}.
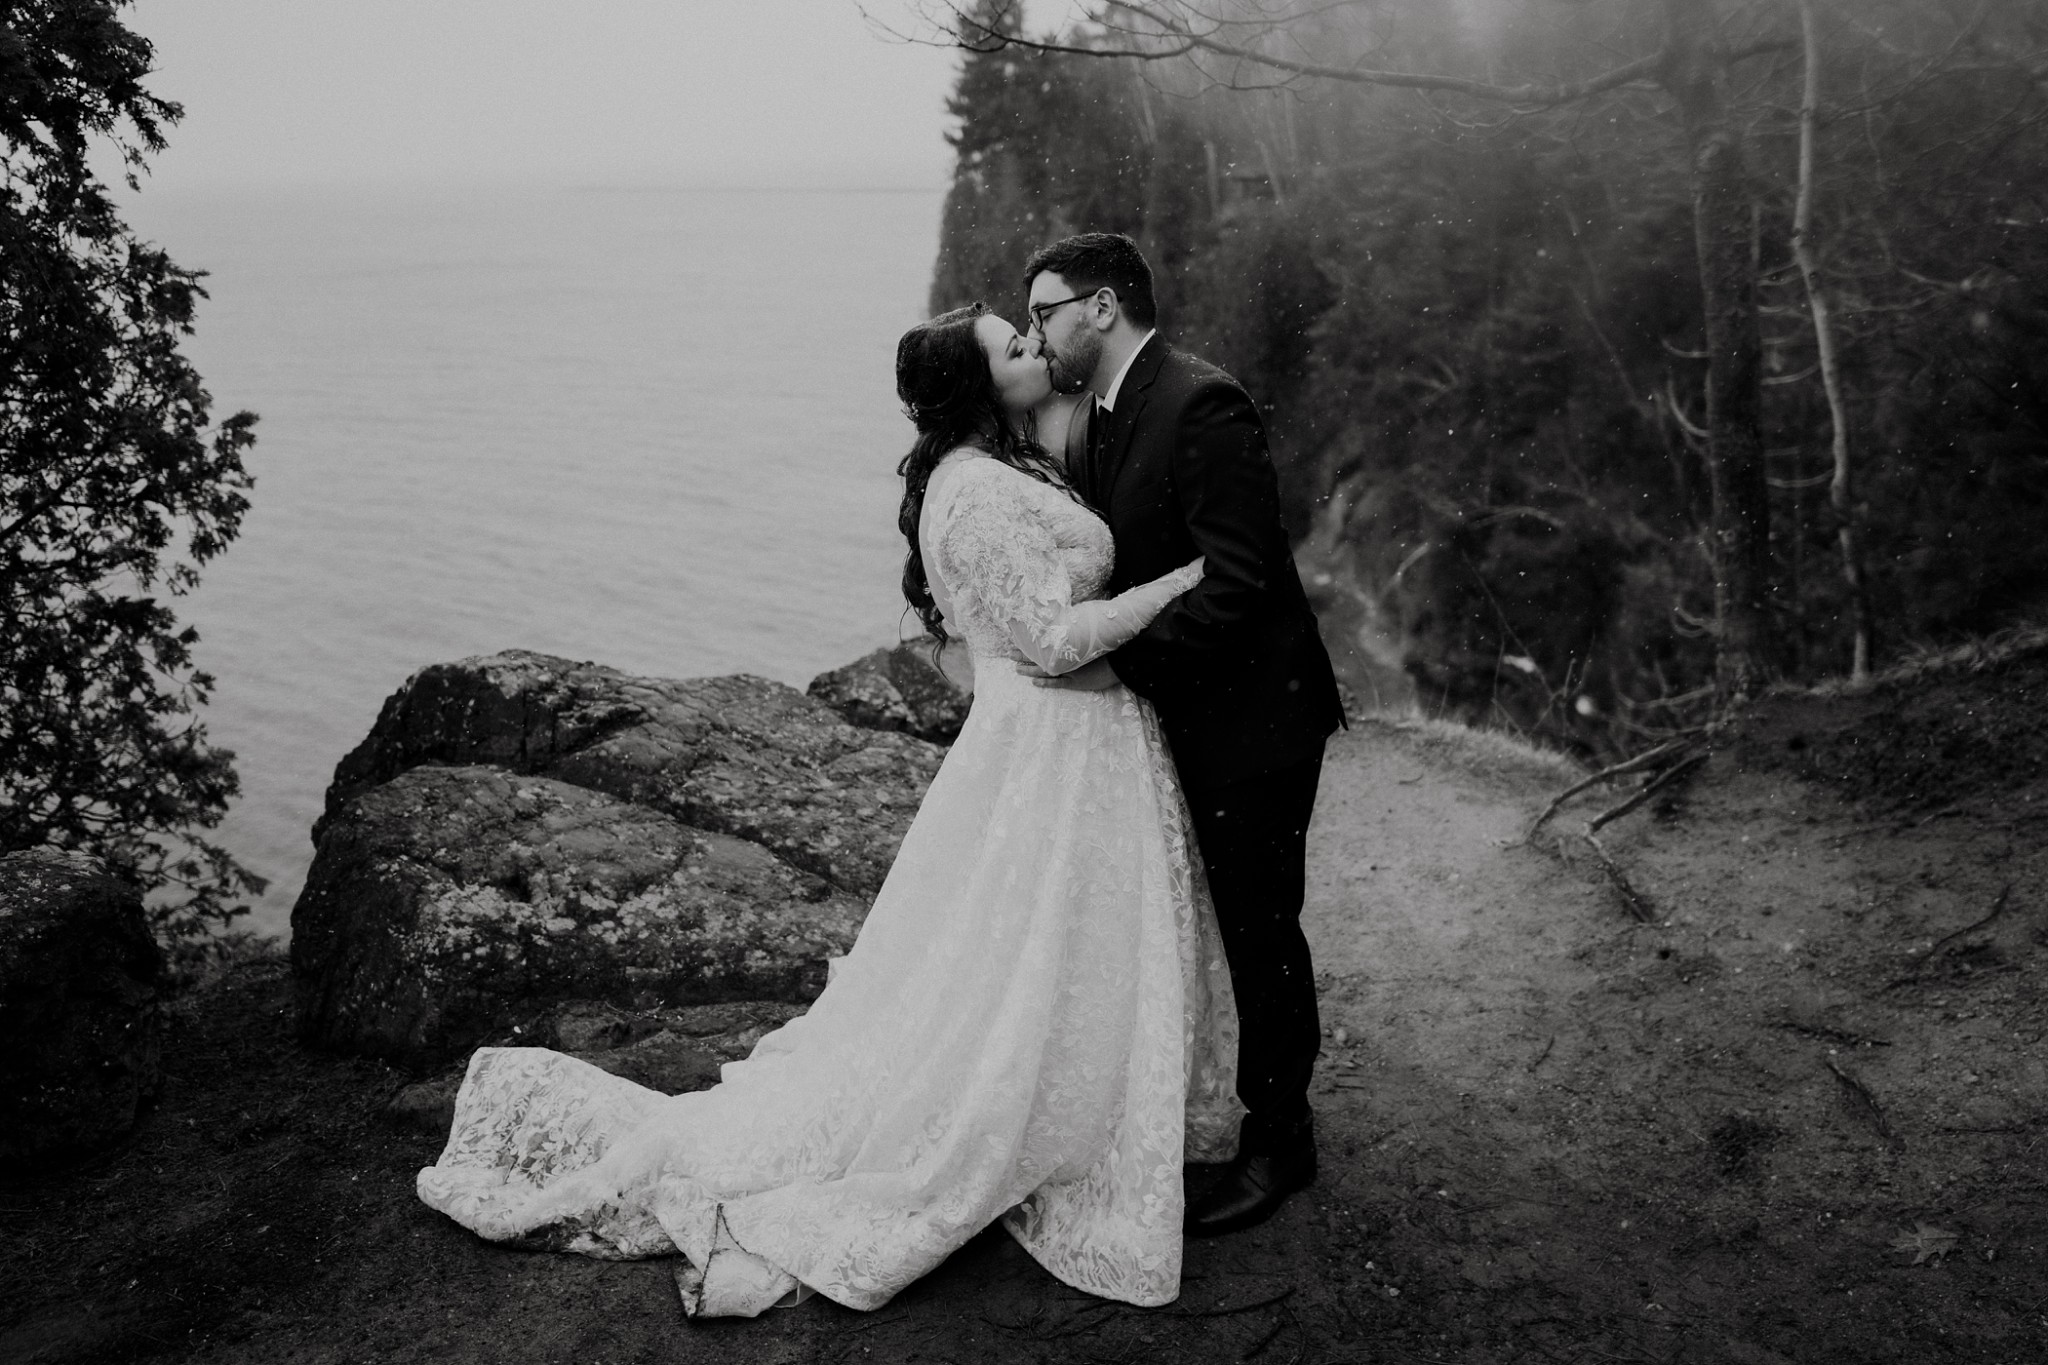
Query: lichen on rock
{"points": [[448, 901], [518, 829], [903, 688], [738, 755]]}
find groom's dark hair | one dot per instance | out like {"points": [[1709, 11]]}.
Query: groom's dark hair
{"points": [[1100, 260]]}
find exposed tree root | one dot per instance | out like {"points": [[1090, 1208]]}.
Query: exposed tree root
{"points": [[1266, 1302], [1639, 906], [1998, 905], [1865, 1104], [1833, 1035], [1672, 762], [1265, 1340], [1637, 903]]}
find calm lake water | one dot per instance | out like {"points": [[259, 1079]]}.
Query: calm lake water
{"points": [[651, 427]]}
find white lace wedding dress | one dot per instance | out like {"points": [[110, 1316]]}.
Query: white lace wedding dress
{"points": [[1035, 1023]]}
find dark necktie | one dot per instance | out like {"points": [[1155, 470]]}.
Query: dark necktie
{"points": [[1084, 445], [1099, 419]]}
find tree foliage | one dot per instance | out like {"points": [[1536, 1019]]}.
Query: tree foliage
{"points": [[115, 485], [1482, 327]]}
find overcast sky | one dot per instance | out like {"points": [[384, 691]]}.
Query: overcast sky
{"points": [[730, 92]]}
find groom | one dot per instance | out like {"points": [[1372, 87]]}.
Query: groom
{"points": [[1174, 456]]}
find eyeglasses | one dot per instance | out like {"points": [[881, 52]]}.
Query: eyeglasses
{"points": [[1040, 311]]}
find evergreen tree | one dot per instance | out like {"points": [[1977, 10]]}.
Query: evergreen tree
{"points": [[115, 486], [1023, 177]]}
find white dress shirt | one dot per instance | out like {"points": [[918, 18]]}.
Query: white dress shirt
{"points": [[1107, 402]]}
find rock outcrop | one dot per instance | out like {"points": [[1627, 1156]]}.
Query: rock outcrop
{"points": [[902, 688], [739, 755], [80, 981], [449, 902], [521, 829]]}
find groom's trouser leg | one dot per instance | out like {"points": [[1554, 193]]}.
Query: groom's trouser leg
{"points": [[1254, 841]]}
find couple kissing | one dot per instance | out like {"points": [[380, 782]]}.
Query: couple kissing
{"points": [[1086, 967]]}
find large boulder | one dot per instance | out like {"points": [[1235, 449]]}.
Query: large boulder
{"points": [[904, 688], [449, 902], [738, 755], [80, 985]]}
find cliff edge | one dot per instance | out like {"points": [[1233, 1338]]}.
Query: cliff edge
{"points": [[1782, 1103]]}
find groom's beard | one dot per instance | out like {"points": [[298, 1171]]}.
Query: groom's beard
{"points": [[1072, 366]]}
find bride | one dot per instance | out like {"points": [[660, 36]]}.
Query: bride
{"points": [[1035, 1023]]}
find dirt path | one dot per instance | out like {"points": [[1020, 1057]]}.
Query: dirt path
{"points": [[1550, 1132], [1579, 1137]]}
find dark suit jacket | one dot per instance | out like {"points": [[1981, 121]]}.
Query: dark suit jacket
{"points": [[1235, 666]]}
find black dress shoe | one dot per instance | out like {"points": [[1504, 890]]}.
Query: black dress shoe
{"points": [[1252, 1187]]}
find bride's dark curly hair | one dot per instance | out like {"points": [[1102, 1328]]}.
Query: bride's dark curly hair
{"points": [[943, 378]]}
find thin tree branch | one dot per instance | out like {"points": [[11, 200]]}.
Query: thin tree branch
{"points": [[1179, 38], [1840, 498]]}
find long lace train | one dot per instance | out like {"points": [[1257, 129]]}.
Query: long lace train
{"points": [[1035, 1024]]}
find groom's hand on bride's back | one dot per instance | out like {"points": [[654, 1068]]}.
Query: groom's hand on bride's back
{"points": [[1093, 676]]}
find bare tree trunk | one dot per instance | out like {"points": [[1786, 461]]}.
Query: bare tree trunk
{"points": [[1840, 491], [1695, 75], [1795, 635]]}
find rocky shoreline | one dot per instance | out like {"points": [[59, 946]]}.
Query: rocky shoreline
{"points": [[644, 871]]}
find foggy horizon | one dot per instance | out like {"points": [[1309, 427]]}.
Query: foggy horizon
{"points": [[795, 95]]}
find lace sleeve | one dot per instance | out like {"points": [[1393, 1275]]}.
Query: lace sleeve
{"points": [[991, 545]]}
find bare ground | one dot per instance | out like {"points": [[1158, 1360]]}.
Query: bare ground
{"points": [[1797, 1116]]}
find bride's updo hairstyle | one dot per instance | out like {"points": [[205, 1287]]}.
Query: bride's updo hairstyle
{"points": [[943, 378]]}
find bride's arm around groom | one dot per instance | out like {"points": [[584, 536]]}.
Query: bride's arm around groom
{"points": [[1217, 481]]}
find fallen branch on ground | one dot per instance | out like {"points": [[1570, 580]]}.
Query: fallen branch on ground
{"points": [[1673, 774], [1646, 759]]}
